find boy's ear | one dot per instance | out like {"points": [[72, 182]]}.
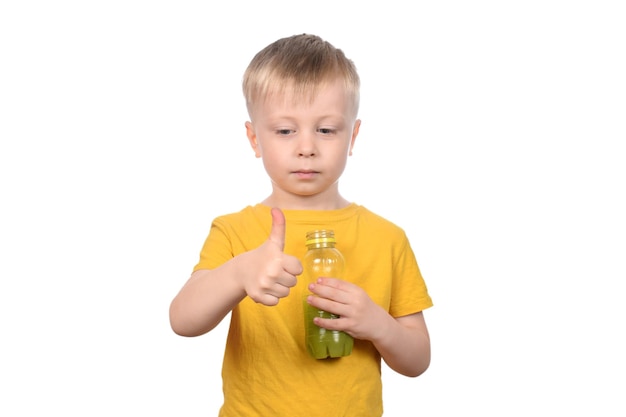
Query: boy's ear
{"points": [[252, 139], [355, 132]]}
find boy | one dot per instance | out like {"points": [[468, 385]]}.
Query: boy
{"points": [[302, 96]]}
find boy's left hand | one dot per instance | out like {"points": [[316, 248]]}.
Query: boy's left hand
{"points": [[359, 315]]}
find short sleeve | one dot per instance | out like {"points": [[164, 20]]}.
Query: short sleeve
{"points": [[217, 248], [409, 293]]}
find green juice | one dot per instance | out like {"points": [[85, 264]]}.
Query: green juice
{"points": [[322, 343], [323, 259]]}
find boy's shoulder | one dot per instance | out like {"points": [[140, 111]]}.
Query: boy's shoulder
{"points": [[377, 221], [244, 215]]}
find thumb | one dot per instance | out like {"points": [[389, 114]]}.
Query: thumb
{"points": [[277, 233]]}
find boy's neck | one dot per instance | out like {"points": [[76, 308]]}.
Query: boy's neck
{"points": [[306, 203]]}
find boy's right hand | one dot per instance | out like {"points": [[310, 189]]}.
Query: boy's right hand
{"points": [[269, 273]]}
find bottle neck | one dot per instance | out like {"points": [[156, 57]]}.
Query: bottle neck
{"points": [[320, 239], [320, 245]]}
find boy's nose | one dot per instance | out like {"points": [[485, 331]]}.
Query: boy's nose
{"points": [[306, 146], [307, 153]]}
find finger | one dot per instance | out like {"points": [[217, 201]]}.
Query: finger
{"points": [[334, 283], [286, 280], [327, 305], [277, 233], [292, 265], [266, 299], [337, 292], [279, 290], [330, 324]]}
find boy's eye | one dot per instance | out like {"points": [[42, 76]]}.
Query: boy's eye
{"points": [[284, 132], [325, 131]]}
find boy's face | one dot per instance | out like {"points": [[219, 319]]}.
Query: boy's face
{"points": [[304, 145]]}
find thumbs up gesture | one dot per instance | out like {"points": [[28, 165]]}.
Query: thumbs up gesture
{"points": [[269, 272]]}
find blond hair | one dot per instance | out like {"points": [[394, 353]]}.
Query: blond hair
{"points": [[300, 64]]}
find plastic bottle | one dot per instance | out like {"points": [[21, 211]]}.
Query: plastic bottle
{"points": [[323, 259]]}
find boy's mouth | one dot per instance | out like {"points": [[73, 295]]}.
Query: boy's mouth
{"points": [[306, 173]]}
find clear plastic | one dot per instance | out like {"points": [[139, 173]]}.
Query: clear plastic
{"points": [[323, 259]]}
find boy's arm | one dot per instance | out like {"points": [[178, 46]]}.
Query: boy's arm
{"points": [[205, 299], [404, 344], [265, 274]]}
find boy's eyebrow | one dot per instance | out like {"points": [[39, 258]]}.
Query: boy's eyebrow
{"points": [[333, 117]]}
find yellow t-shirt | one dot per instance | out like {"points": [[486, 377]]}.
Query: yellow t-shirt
{"points": [[267, 370]]}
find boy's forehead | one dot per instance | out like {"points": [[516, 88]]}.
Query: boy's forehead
{"points": [[284, 94], [291, 91], [281, 98], [291, 94]]}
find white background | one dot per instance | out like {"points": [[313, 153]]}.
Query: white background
{"points": [[493, 133]]}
